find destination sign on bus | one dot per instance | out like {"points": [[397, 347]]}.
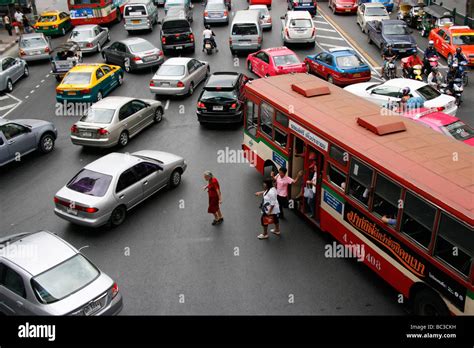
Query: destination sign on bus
{"points": [[313, 138]]}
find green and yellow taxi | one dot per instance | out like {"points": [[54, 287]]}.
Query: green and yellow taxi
{"points": [[89, 83], [53, 23]]}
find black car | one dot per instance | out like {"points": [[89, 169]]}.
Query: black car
{"points": [[176, 34], [221, 100]]}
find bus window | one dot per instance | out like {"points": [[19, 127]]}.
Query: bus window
{"points": [[455, 244], [359, 181], [282, 119], [266, 119], [281, 137], [252, 118], [336, 177], [339, 155], [386, 197], [418, 219]]}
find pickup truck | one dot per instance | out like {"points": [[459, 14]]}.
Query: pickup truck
{"points": [[392, 31], [176, 34]]}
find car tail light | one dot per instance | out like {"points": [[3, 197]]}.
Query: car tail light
{"points": [[74, 129], [313, 32], [86, 91], [269, 20], [46, 50], [206, 14], [201, 105], [440, 108], [89, 45], [58, 91], [233, 106], [259, 39], [225, 13], [191, 37], [22, 53], [180, 84], [152, 83], [54, 26], [73, 205], [161, 53], [102, 131], [230, 41], [91, 210], [163, 40], [295, 3], [115, 290], [136, 59], [287, 33]]}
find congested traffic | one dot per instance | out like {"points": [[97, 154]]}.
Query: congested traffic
{"points": [[149, 94]]}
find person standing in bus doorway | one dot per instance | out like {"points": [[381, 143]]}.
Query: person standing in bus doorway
{"points": [[215, 197], [270, 209], [310, 187], [282, 182]]}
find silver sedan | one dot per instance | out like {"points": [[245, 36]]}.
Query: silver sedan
{"points": [[216, 12], [11, 70], [34, 46], [265, 16], [90, 37], [179, 76], [114, 120], [107, 188]]}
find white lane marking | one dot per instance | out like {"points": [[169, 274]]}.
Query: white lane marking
{"points": [[33, 91], [330, 37], [6, 107], [17, 105], [26, 97], [321, 22], [3, 97], [329, 45], [324, 29], [47, 75], [37, 86], [167, 104], [42, 81]]}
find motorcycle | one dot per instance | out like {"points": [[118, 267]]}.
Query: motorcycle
{"points": [[208, 46], [462, 71], [456, 90], [432, 62], [411, 72], [390, 71]]}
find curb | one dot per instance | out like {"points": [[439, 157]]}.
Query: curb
{"points": [[7, 47]]}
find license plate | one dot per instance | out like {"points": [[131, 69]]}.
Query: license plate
{"points": [[71, 211], [92, 308], [136, 21], [218, 108], [36, 52], [147, 59], [402, 50], [348, 10], [45, 28], [71, 93], [86, 134], [179, 47], [165, 84], [356, 75]]}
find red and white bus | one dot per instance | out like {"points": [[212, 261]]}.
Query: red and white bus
{"points": [[397, 189], [101, 12]]}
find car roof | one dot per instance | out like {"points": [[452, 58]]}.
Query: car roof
{"points": [[222, 80], [401, 82], [246, 16], [113, 163], [86, 67], [111, 102], [132, 40], [85, 27], [32, 35], [177, 60], [251, 7], [50, 13], [455, 29], [37, 252], [276, 51], [373, 4], [393, 21], [132, 2]]}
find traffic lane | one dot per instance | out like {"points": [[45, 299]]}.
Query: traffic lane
{"points": [[237, 292], [348, 25]]}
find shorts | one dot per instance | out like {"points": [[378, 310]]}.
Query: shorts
{"points": [[213, 205], [274, 219], [282, 201]]}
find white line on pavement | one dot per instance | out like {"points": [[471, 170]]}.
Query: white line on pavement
{"points": [[33, 91], [329, 45], [320, 22], [26, 97], [19, 102], [3, 97], [330, 37], [167, 104], [6, 107], [37, 86], [324, 29], [47, 75], [42, 81]]}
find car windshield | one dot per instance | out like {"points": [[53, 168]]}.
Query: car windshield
{"points": [[90, 183], [216, 6], [135, 10], [79, 78], [218, 96], [428, 92], [64, 279], [301, 23], [244, 29], [78, 35], [376, 11], [45, 19], [459, 130], [349, 62], [461, 40], [141, 47], [33, 42], [171, 70], [286, 59], [396, 29], [98, 115]]}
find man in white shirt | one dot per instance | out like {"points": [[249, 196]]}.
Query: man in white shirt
{"points": [[19, 19], [208, 34]]}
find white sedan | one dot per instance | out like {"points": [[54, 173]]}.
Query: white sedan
{"points": [[391, 91], [374, 11]]}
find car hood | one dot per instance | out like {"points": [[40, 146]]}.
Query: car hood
{"points": [[33, 123], [164, 157], [359, 88], [442, 100]]}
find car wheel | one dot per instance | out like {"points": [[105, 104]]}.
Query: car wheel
{"points": [[232, 52], [175, 179], [99, 47], [46, 143], [427, 302], [249, 66], [191, 89], [126, 65], [330, 79], [123, 139], [158, 116], [120, 80], [450, 59], [308, 68], [99, 96], [26, 71], [118, 216], [9, 86]]}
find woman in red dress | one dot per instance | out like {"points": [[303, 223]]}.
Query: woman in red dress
{"points": [[215, 197]]}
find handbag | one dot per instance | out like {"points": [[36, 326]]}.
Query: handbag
{"points": [[267, 219], [308, 192]]}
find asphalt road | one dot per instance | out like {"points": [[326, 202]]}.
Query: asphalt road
{"points": [[166, 252]]}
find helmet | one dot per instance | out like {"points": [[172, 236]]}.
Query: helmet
{"points": [[406, 90], [431, 43], [389, 45], [458, 49]]}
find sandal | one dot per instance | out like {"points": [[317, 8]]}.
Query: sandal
{"points": [[262, 236], [215, 222], [275, 232]]}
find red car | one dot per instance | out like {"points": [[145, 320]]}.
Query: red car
{"points": [[261, 2], [446, 40], [343, 6], [274, 61]]}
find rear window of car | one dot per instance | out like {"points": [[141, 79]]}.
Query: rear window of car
{"points": [[135, 10], [301, 23], [45, 19], [90, 183], [349, 62], [141, 46], [172, 25], [171, 70], [396, 29], [459, 130], [79, 35], [219, 95], [98, 115], [64, 279], [33, 42], [244, 29], [80, 78], [216, 6], [286, 59], [375, 11], [428, 92]]}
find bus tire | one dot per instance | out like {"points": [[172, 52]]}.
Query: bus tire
{"points": [[427, 302]]}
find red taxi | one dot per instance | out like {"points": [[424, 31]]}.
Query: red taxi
{"points": [[447, 39], [274, 61]]}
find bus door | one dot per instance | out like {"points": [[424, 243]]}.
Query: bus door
{"points": [[297, 164], [313, 168]]}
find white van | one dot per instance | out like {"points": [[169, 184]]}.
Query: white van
{"points": [[246, 32], [140, 15]]}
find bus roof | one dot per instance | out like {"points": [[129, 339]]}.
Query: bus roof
{"points": [[418, 157]]}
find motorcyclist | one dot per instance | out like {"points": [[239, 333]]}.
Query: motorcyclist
{"points": [[430, 52], [452, 74], [410, 62], [459, 56], [404, 99], [388, 54], [435, 78], [208, 34]]}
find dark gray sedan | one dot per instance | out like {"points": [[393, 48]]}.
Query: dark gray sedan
{"points": [[133, 54], [20, 137], [11, 70], [90, 37]]}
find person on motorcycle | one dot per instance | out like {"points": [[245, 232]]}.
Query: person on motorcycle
{"points": [[430, 52], [435, 78], [459, 56], [452, 74], [208, 34], [388, 54], [411, 61], [404, 99]]}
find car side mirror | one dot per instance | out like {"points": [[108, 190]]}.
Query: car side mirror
{"points": [[159, 22]]}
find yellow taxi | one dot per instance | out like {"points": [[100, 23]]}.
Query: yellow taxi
{"points": [[53, 23], [89, 82]]}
